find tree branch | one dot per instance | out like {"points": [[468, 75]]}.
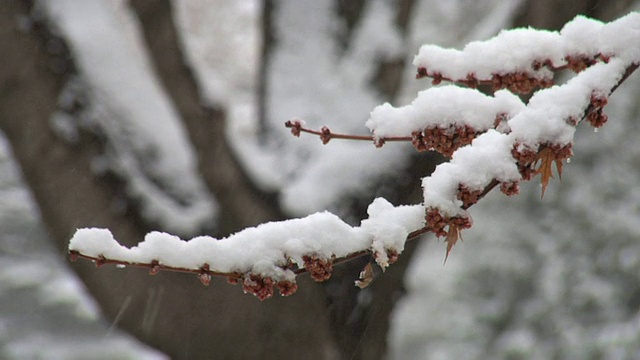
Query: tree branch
{"points": [[527, 140]]}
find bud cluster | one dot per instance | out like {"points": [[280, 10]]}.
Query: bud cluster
{"points": [[596, 117], [443, 140], [467, 196], [436, 222], [510, 188], [519, 82], [319, 269], [527, 157], [387, 258], [261, 287]]}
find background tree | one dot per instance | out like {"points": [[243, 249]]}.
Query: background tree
{"points": [[180, 316]]}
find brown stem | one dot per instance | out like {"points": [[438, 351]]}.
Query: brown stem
{"points": [[153, 266], [325, 134]]}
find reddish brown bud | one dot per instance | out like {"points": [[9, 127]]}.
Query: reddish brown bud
{"points": [[579, 63], [100, 261], [319, 269], [204, 275], [295, 126], [519, 82], [261, 287], [443, 140], [471, 81], [205, 279], [422, 72], [155, 267], [596, 117], [435, 222], [326, 135], [287, 288], [467, 196], [510, 188], [392, 255], [436, 78]]}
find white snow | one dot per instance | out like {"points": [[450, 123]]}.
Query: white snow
{"points": [[222, 41], [508, 52], [487, 158], [148, 145], [548, 111], [544, 120], [442, 107], [516, 50], [264, 249], [308, 75]]}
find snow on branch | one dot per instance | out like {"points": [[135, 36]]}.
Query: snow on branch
{"points": [[523, 59], [493, 141], [268, 255]]}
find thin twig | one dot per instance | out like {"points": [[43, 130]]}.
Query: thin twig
{"points": [[326, 134]]}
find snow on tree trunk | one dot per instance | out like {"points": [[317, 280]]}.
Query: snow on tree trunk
{"points": [[148, 144]]}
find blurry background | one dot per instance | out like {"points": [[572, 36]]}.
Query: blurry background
{"points": [[168, 115]]}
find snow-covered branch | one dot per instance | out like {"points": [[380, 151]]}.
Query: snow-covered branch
{"points": [[496, 140], [268, 255]]}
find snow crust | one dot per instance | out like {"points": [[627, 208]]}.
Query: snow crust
{"points": [[516, 50], [148, 145], [265, 249], [442, 107]]}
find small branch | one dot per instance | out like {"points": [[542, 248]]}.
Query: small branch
{"points": [[204, 273], [625, 76], [154, 266], [520, 82], [326, 135]]}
